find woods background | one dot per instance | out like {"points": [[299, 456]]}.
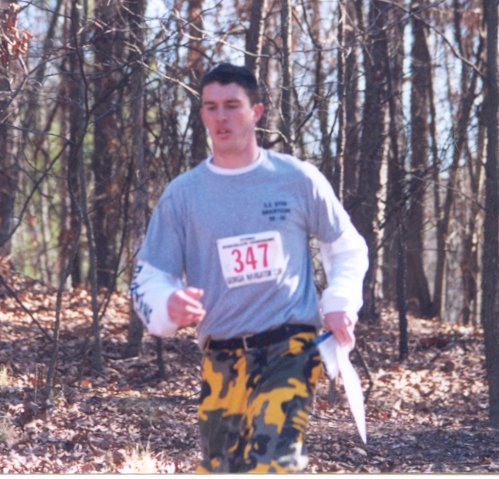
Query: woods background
{"points": [[395, 101]]}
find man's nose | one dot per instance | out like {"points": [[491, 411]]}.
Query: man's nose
{"points": [[222, 113]]}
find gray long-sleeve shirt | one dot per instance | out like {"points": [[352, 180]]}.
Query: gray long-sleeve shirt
{"points": [[243, 237]]}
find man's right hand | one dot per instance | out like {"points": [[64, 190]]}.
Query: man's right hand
{"points": [[184, 307], [341, 325]]}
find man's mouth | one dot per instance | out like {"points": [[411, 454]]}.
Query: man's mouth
{"points": [[223, 132]]}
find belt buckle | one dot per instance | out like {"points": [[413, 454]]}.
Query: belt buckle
{"points": [[244, 339]]}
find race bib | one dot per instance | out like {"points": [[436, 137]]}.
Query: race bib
{"points": [[250, 259]]}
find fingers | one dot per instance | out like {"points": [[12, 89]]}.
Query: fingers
{"points": [[184, 307], [342, 326]]}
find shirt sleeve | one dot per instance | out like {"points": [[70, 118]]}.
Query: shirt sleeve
{"points": [[164, 244], [345, 262], [160, 264], [326, 217], [344, 252], [150, 290]]}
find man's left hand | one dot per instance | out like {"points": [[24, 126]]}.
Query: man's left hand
{"points": [[341, 325]]}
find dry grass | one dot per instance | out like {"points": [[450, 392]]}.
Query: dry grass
{"points": [[7, 432], [4, 377], [140, 461]]}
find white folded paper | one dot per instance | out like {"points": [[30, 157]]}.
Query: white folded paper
{"points": [[336, 360]]}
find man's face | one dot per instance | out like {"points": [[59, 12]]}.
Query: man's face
{"points": [[230, 118]]}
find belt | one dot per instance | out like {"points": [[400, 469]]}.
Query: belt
{"points": [[258, 340]]}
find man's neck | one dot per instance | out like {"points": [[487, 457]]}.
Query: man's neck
{"points": [[236, 159]]}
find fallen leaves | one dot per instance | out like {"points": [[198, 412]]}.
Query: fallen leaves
{"points": [[427, 414]]}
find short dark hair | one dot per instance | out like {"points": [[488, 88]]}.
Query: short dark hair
{"points": [[225, 73]]}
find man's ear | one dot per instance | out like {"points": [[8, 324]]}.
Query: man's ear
{"points": [[258, 109]]}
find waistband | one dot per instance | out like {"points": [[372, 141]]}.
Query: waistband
{"points": [[259, 340]]}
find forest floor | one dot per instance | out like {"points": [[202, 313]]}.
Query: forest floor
{"points": [[425, 414]]}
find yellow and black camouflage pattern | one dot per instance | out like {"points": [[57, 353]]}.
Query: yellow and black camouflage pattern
{"points": [[255, 405]]}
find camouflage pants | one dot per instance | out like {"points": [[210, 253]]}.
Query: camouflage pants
{"points": [[255, 406]]}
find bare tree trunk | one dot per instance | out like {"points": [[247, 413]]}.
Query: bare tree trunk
{"points": [[365, 211], [8, 164], [79, 118], [490, 261], [136, 328], [77, 126], [330, 168], [353, 22], [107, 161], [417, 287], [402, 286], [395, 208], [444, 221], [395, 227], [469, 260], [287, 126], [264, 133], [196, 70], [76, 131], [8, 169], [254, 37], [473, 176], [339, 177]]}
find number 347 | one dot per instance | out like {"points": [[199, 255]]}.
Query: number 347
{"points": [[250, 256]]}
